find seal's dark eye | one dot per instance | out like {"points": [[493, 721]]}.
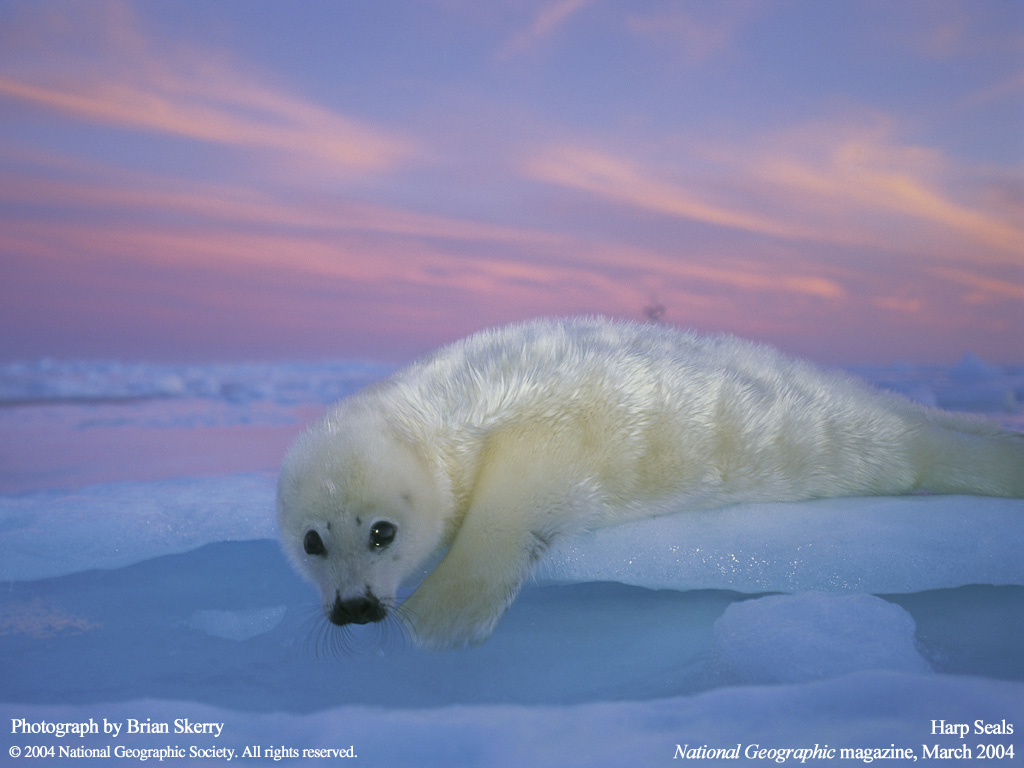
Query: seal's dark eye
{"points": [[382, 533], [313, 544]]}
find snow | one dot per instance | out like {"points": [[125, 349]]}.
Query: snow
{"points": [[116, 524], [797, 638], [868, 709], [237, 625], [141, 580], [877, 545], [874, 545], [89, 380]]}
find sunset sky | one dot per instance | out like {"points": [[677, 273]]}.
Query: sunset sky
{"points": [[250, 180]]}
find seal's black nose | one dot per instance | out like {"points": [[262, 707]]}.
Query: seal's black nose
{"points": [[356, 610]]}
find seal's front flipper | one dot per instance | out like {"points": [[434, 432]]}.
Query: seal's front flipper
{"points": [[461, 601]]}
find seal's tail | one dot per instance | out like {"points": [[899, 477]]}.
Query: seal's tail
{"points": [[962, 454]]}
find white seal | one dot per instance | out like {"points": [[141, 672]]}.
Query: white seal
{"points": [[492, 448]]}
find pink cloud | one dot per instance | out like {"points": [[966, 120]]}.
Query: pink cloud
{"points": [[697, 38], [624, 181], [844, 184], [545, 23], [987, 289], [831, 228], [127, 81], [866, 174], [238, 205]]}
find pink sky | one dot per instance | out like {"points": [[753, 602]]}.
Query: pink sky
{"points": [[248, 180]]}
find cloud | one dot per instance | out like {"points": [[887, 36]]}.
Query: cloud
{"points": [[868, 175], [238, 206], [696, 39], [128, 82], [985, 290], [546, 22], [790, 276], [842, 184], [956, 31], [1001, 90], [625, 181], [830, 226], [357, 252]]}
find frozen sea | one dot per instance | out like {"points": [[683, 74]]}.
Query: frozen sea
{"points": [[142, 590]]}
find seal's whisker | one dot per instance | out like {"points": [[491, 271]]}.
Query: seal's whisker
{"points": [[326, 640]]}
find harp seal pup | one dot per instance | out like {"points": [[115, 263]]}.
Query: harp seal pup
{"points": [[494, 447]]}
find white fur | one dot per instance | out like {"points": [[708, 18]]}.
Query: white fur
{"points": [[498, 444]]}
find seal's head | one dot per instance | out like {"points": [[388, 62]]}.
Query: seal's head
{"points": [[359, 512]]}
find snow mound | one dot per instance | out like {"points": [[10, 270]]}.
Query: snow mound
{"points": [[237, 625], [813, 636], [878, 545], [114, 524]]}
